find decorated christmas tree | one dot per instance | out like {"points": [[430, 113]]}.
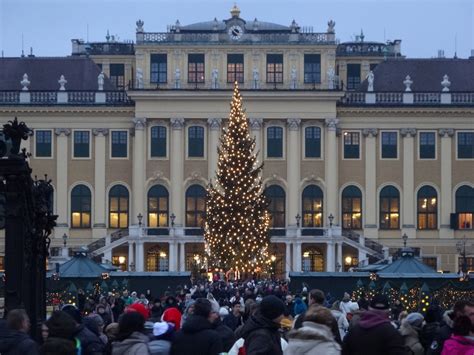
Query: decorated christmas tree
{"points": [[237, 221]]}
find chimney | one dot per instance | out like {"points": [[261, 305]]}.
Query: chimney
{"points": [[472, 54], [440, 53]]}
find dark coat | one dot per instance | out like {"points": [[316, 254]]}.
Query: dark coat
{"points": [[232, 321], [90, 343], [428, 333], [442, 334], [14, 342], [261, 336], [226, 334], [373, 335], [197, 337]]}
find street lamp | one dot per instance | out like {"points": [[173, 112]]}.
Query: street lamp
{"points": [[331, 218], [405, 238], [140, 217], [298, 219], [172, 217], [64, 239]]}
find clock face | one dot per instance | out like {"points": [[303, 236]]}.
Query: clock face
{"points": [[235, 32]]}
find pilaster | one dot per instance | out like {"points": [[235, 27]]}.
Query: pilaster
{"points": [[287, 260], [213, 142], [330, 257], [293, 169], [445, 200], [370, 215], [100, 199], [408, 216], [297, 256], [256, 126], [138, 173], [176, 169], [62, 197], [182, 251], [331, 178]]}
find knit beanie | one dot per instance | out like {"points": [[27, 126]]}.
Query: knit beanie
{"points": [[140, 308], [272, 307], [172, 315], [61, 325]]}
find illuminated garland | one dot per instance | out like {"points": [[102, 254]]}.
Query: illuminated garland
{"points": [[237, 221]]}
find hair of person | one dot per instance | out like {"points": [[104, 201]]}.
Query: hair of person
{"points": [[130, 322], [320, 315], [202, 307], [462, 326], [317, 296], [461, 304], [15, 318]]}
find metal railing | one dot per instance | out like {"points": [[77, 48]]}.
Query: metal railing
{"points": [[74, 97], [408, 98]]}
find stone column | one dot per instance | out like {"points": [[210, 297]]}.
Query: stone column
{"points": [[339, 256], [177, 167], [62, 195], [288, 267], [297, 256], [408, 216], [213, 142], [100, 198], [293, 169], [370, 213], [131, 256], [331, 178], [445, 200], [138, 173], [173, 256], [140, 259], [182, 263], [330, 263], [256, 125]]}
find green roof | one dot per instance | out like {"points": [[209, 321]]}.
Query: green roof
{"points": [[81, 266]]}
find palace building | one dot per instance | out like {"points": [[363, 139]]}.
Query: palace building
{"points": [[362, 147]]}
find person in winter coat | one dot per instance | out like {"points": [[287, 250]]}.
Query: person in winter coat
{"points": [[461, 341], [260, 332], [430, 328], [234, 319], [374, 334], [315, 336], [14, 338], [197, 335], [163, 336], [299, 307], [341, 319], [410, 330], [131, 339], [347, 306], [61, 339]]}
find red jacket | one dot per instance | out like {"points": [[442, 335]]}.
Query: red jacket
{"points": [[458, 345]]}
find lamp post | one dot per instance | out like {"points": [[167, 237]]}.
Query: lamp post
{"points": [[298, 219], [140, 217], [331, 218], [64, 239], [405, 238], [172, 218]]}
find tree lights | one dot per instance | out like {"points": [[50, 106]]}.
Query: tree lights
{"points": [[237, 221]]}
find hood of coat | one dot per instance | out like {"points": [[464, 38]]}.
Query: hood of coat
{"points": [[448, 318], [373, 318], [406, 329], [195, 324], [133, 339], [255, 322], [312, 336]]}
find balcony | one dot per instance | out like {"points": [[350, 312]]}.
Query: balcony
{"points": [[408, 99]]}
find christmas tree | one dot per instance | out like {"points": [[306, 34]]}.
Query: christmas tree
{"points": [[237, 221]]}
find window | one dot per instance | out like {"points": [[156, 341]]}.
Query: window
{"points": [[427, 145], [195, 206], [353, 76], [465, 206], [81, 144], [158, 68], [312, 206], [312, 68], [158, 206], [117, 76], [118, 207], [156, 259], [158, 142], [312, 142], [43, 140], [81, 207], [389, 208], [469, 264], [465, 145], [313, 260], [427, 208], [351, 145], [431, 261], [119, 144], [196, 68], [235, 68], [276, 207], [351, 208], [275, 68], [2, 263], [196, 142], [275, 142], [389, 145]]}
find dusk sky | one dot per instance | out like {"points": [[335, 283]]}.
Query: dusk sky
{"points": [[424, 26]]}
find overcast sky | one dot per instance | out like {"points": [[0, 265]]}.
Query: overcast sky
{"points": [[424, 26]]}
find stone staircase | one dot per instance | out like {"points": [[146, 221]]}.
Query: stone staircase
{"points": [[371, 247], [100, 243]]}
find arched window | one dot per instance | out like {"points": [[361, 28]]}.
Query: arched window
{"points": [[389, 208], [195, 205], [465, 206], [427, 202], [158, 206], [81, 207], [118, 207], [351, 208], [312, 206], [276, 208], [313, 260], [156, 259]]}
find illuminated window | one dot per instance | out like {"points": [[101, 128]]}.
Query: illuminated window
{"points": [[81, 207], [312, 260], [118, 207], [158, 68], [158, 142], [312, 144], [2, 263], [158, 199], [195, 68], [274, 142], [351, 208], [43, 144], [275, 68], [465, 206], [235, 68], [276, 208], [156, 259], [431, 261], [195, 206], [389, 208], [312, 206], [195, 141], [427, 203], [469, 264]]}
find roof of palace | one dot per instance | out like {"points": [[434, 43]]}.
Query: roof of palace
{"points": [[44, 72], [217, 25], [426, 75]]}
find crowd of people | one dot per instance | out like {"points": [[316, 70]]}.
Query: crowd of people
{"points": [[250, 318]]}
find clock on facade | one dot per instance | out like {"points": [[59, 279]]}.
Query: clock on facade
{"points": [[235, 32]]}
